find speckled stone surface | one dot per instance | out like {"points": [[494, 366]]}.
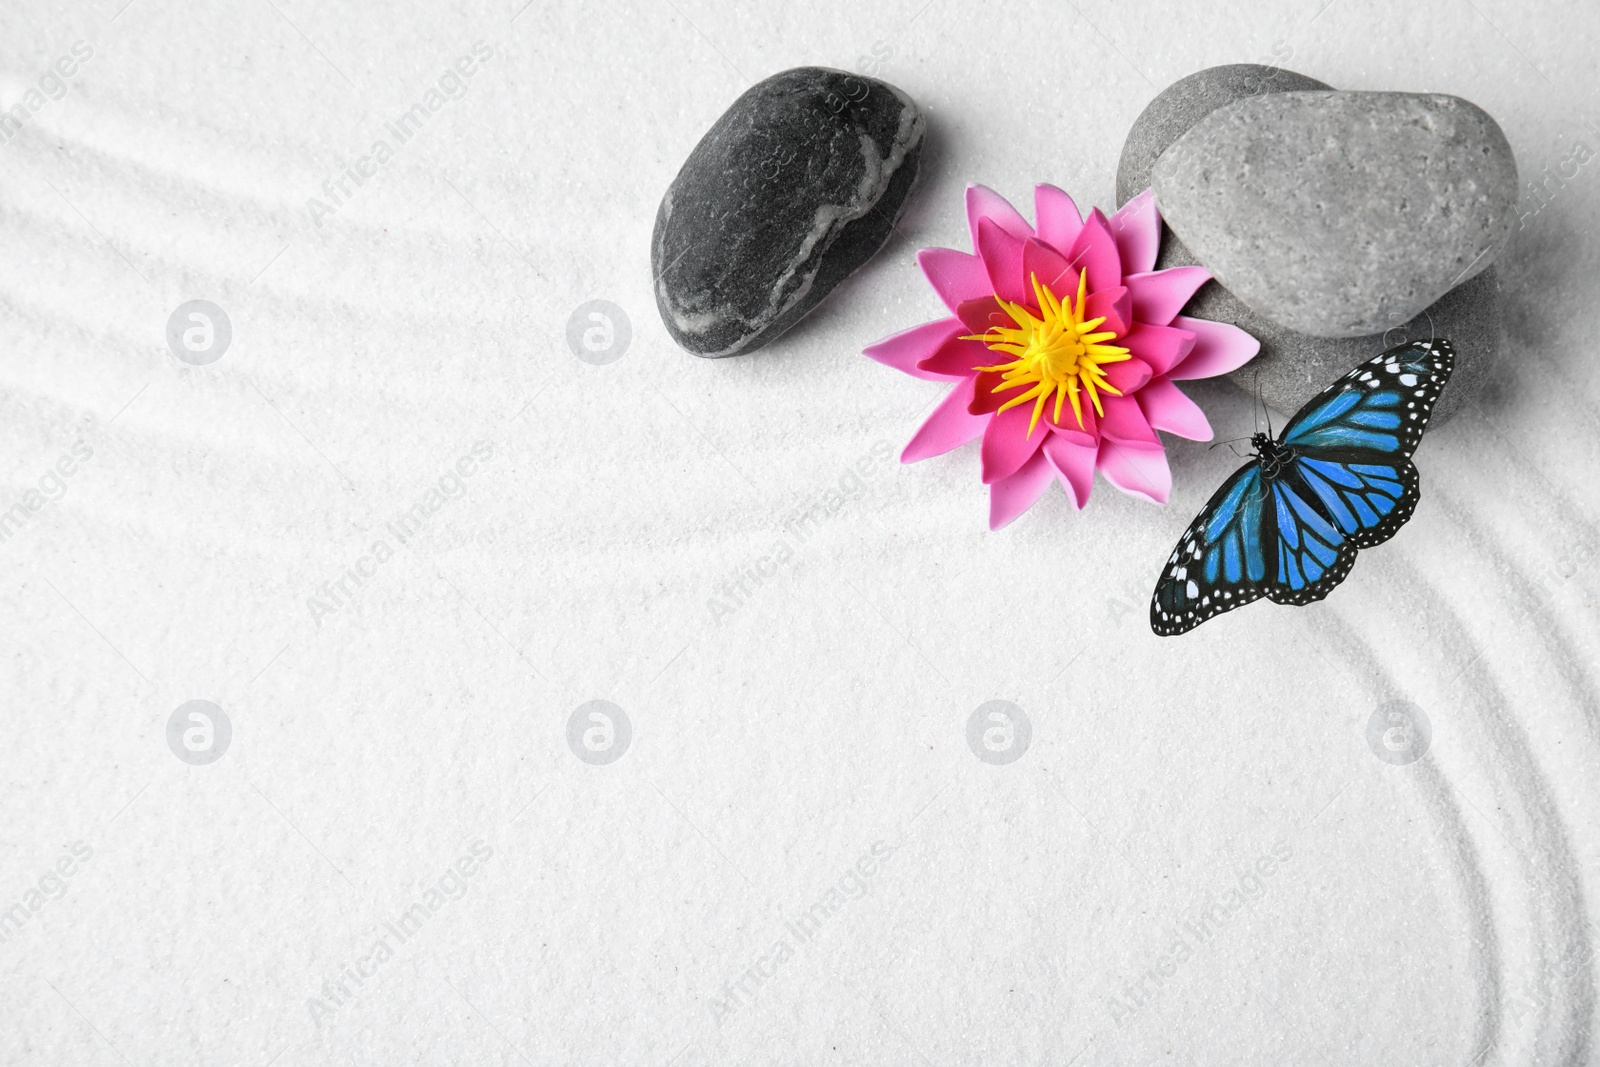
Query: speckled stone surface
{"points": [[796, 186], [1293, 367], [1341, 214], [1184, 103]]}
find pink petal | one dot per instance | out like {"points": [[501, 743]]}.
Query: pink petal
{"points": [[955, 276], [904, 350], [1116, 304], [1007, 444], [1138, 470], [957, 358], [1124, 421], [1050, 267], [1011, 496], [981, 314], [1137, 228], [1168, 409], [1058, 217], [950, 426], [984, 203], [1129, 375], [1219, 347], [985, 400], [1159, 295], [1162, 347], [1074, 463], [1002, 258], [1096, 252]]}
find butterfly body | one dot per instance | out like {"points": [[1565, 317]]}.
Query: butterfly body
{"points": [[1288, 525], [1270, 456]]}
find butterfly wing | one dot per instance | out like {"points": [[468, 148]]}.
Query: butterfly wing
{"points": [[1366, 501], [1311, 553], [1223, 561], [1352, 444], [1377, 410]]}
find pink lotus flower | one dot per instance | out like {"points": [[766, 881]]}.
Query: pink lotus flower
{"points": [[1064, 345]]}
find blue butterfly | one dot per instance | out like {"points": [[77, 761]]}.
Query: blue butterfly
{"points": [[1288, 525]]}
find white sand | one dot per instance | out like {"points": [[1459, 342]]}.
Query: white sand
{"points": [[1429, 913]]}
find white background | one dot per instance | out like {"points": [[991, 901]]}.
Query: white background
{"points": [[1430, 913]]}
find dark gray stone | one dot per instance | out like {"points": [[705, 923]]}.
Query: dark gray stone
{"points": [[1341, 214], [795, 186], [1293, 367], [1187, 101]]}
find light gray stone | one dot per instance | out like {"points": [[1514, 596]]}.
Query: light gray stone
{"points": [[1341, 214], [1292, 367], [797, 185], [1187, 101]]}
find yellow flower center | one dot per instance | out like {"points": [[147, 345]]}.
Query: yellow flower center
{"points": [[1055, 354]]}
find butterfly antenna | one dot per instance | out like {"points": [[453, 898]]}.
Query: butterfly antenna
{"points": [[1230, 443], [1265, 410]]}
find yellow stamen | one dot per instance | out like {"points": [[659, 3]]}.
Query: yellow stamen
{"points": [[1056, 352]]}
